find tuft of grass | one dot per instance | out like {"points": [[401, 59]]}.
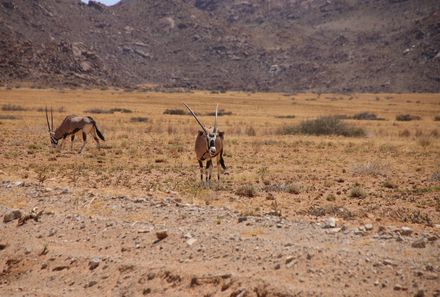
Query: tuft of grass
{"points": [[8, 117], [373, 168], [108, 111], [367, 116], [436, 176], [389, 184], [405, 133], [13, 107], [139, 119], [330, 197], [424, 141], [291, 116], [220, 113], [357, 192], [98, 111], [250, 131], [407, 117], [59, 109], [122, 110], [175, 111], [247, 190], [328, 125]]}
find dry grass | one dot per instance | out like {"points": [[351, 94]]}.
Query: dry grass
{"points": [[156, 156]]}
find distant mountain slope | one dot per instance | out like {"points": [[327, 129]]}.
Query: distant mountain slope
{"points": [[280, 45]]}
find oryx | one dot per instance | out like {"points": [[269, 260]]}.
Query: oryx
{"points": [[209, 144], [70, 126]]}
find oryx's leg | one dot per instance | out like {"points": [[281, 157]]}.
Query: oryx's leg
{"points": [[72, 138], [218, 166], [84, 143], [60, 146], [95, 137], [201, 170], [209, 170]]}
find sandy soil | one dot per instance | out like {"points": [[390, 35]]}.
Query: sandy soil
{"points": [[302, 230]]}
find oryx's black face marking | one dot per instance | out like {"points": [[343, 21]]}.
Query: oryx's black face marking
{"points": [[53, 140], [211, 137]]}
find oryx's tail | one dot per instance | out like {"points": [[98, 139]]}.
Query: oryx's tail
{"points": [[222, 162], [100, 135]]}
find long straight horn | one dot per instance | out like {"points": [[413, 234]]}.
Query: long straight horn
{"points": [[197, 119], [51, 117], [47, 120], [216, 115]]}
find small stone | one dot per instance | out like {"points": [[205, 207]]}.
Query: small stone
{"points": [[90, 284], [420, 293], [19, 183], [191, 241], [151, 275], [388, 262], [333, 230], [419, 244], [162, 234], [12, 215], [94, 262], [52, 232], [277, 266], [146, 291], [406, 231], [309, 256], [3, 246], [330, 223], [242, 219], [368, 227]]}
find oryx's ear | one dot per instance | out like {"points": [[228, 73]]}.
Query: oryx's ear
{"points": [[221, 134], [200, 133]]}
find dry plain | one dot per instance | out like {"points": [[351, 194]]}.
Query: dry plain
{"points": [[240, 236]]}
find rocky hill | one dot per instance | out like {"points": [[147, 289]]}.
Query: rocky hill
{"points": [[280, 45]]}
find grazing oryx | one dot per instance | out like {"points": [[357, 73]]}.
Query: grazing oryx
{"points": [[70, 126], [209, 144]]}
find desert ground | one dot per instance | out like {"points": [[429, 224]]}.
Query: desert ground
{"points": [[293, 215]]}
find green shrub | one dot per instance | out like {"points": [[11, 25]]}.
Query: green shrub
{"points": [[175, 111], [367, 116], [12, 107], [407, 117], [328, 125], [247, 190]]}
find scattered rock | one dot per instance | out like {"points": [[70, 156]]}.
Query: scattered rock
{"points": [[90, 284], [419, 244], [12, 215], [94, 263], [191, 241], [146, 291], [368, 227], [242, 219], [406, 231], [399, 287], [277, 266], [3, 246], [388, 262], [330, 223], [162, 234], [420, 293]]}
